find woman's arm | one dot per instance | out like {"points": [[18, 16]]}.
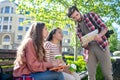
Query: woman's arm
{"points": [[32, 62]]}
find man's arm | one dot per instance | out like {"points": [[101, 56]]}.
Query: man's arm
{"points": [[79, 35], [99, 21], [101, 24]]}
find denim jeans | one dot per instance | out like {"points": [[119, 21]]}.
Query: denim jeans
{"points": [[48, 75]]}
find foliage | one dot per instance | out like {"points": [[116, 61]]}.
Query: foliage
{"points": [[118, 46], [113, 38], [81, 65], [116, 53], [99, 75], [53, 13]]}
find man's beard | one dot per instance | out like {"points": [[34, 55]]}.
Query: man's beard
{"points": [[80, 19]]}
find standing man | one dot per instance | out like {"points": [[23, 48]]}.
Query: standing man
{"points": [[96, 50]]}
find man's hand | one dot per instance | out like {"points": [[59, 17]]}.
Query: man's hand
{"points": [[98, 38], [85, 45]]}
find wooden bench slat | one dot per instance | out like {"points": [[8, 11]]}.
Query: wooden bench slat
{"points": [[83, 75], [10, 69], [7, 56], [7, 51], [3, 63]]}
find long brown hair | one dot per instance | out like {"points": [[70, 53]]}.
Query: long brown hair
{"points": [[35, 32]]}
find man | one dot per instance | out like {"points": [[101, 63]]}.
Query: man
{"points": [[96, 50]]}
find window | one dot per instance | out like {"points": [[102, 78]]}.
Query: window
{"points": [[0, 19], [7, 9], [27, 28], [0, 27], [12, 10], [19, 37], [5, 27], [66, 49], [10, 18], [27, 12], [67, 40], [6, 46], [21, 11], [67, 25], [6, 39], [10, 27], [29, 22], [65, 32], [6, 18], [20, 28], [1, 10], [21, 19]]}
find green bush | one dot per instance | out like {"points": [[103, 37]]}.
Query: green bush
{"points": [[99, 75], [81, 66], [80, 63]]}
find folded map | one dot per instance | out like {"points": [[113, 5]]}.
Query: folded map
{"points": [[89, 37]]}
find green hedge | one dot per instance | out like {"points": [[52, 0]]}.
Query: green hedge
{"points": [[80, 63], [81, 66]]}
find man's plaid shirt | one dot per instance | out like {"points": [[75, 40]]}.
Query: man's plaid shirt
{"points": [[91, 27]]}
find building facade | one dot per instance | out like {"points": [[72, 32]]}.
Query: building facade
{"points": [[12, 31], [67, 48]]}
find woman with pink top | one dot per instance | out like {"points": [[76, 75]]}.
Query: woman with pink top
{"points": [[31, 63], [53, 47]]}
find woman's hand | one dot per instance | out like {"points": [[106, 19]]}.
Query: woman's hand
{"points": [[67, 70], [85, 45], [60, 70], [57, 63]]}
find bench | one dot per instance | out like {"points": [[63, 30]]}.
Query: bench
{"points": [[83, 74], [7, 58]]}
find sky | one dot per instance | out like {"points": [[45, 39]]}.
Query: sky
{"points": [[1, 0], [117, 29]]}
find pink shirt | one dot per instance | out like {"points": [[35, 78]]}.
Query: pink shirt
{"points": [[31, 64]]}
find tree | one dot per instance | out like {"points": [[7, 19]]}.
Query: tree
{"points": [[53, 12], [118, 46]]}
